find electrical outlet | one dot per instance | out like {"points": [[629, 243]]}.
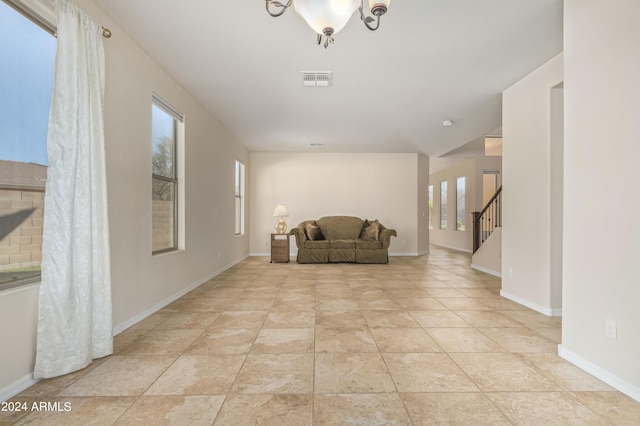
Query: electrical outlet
{"points": [[510, 272], [218, 255], [611, 329]]}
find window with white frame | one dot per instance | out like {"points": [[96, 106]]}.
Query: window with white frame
{"points": [[27, 49], [166, 134], [460, 203], [443, 205], [239, 198], [430, 206]]}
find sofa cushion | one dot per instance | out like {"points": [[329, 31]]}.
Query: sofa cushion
{"points": [[313, 232], [342, 255], [370, 231], [340, 227], [369, 245], [322, 244], [343, 244]]}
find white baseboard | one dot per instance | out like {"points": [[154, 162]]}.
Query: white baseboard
{"points": [[293, 255], [155, 308], [611, 379], [16, 387], [550, 312], [464, 250], [486, 270]]}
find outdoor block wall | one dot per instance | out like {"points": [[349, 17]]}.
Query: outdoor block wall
{"points": [[22, 247], [163, 223]]}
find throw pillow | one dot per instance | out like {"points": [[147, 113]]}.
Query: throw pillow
{"points": [[313, 232], [370, 230]]}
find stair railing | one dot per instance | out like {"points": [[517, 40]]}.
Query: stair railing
{"points": [[485, 221]]}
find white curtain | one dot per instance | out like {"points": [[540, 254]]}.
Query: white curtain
{"points": [[74, 316]]}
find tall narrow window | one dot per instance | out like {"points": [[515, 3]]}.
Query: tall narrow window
{"points": [[26, 81], [460, 206], [239, 197], [165, 139], [443, 205], [430, 206]]}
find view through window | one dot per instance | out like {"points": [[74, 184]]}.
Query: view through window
{"points": [[430, 206], [26, 81], [443, 205], [164, 133], [239, 197], [461, 184]]}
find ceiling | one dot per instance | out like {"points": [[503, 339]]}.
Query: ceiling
{"points": [[431, 60]]}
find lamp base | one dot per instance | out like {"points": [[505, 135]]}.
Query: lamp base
{"points": [[281, 226]]}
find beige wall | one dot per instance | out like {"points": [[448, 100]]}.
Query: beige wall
{"points": [[601, 203], [141, 282], [18, 316], [527, 169], [450, 237], [312, 185], [488, 258]]}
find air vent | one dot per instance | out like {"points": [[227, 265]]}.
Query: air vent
{"points": [[316, 78]]}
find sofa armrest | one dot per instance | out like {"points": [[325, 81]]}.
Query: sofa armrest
{"points": [[300, 235], [385, 236]]}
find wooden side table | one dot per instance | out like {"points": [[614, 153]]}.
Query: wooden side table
{"points": [[280, 248]]}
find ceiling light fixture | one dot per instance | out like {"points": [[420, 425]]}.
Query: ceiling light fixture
{"points": [[327, 17], [447, 123]]}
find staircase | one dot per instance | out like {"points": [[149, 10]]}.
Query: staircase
{"points": [[487, 220]]}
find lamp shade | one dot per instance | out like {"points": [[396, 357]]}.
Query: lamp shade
{"points": [[321, 14], [280, 211]]}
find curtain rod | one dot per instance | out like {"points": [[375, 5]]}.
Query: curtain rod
{"points": [[106, 33], [39, 20]]}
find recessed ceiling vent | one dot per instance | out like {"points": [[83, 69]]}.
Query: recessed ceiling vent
{"points": [[316, 78]]}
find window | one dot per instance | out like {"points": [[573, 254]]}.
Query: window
{"points": [[491, 181], [166, 133], [239, 197], [460, 207], [26, 81], [430, 206], [443, 205]]}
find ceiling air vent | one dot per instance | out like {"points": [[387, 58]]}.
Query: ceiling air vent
{"points": [[316, 78]]}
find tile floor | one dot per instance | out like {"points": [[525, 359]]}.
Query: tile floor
{"points": [[420, 341]]}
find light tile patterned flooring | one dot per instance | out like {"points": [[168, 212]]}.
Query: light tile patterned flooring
{"points": [[422, 340]]}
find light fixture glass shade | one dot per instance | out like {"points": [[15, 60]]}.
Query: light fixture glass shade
{"points": [[372, 3], [321, 14], [280, 211]]}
